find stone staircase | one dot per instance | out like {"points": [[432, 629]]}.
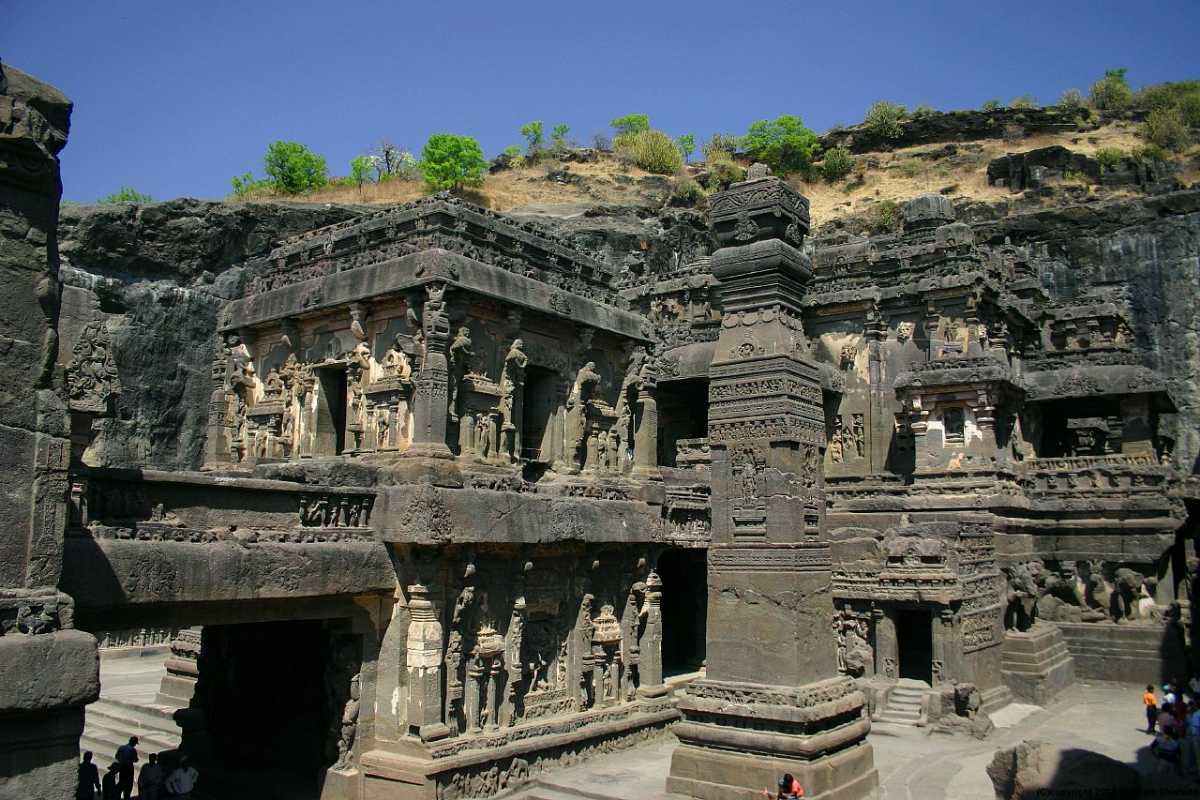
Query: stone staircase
{"points": [[110, 723], [904, 703]]}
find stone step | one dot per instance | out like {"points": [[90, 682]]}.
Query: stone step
{"points": [[136, 721], [106, 739], [148, 714]]}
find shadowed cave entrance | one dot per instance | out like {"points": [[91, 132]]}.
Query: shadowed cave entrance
{"points": [[914, 632], [684, 574], [271, 696]]}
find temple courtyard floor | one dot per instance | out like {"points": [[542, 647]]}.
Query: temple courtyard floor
{"points": [[914, 764]]}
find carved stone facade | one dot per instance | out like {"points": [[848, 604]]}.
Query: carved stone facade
{"points": [[470, 452]]}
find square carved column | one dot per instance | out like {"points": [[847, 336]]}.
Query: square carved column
{"points": [[772, 700]]}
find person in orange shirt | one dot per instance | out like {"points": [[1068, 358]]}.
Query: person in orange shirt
{"points": [[1151, 708]]}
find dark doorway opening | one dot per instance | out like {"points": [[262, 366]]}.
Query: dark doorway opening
{"points": [[684, 575], [268, 693], [682, 414], [537, 410], [914, 630], [331, 412]]}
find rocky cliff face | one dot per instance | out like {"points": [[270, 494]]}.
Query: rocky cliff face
{"points": [[1146, 253], [155, 275], [147, 280]]}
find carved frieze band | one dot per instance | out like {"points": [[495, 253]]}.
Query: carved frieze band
{"points": [[810, 558]]}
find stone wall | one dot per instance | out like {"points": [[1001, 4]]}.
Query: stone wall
{"points": [[50, 670]]}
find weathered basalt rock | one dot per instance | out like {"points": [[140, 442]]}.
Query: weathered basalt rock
{"points": [[1036, 769]]}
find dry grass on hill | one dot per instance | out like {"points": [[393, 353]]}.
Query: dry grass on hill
{"points": [[895, 175], [606, 181], [901, 174]]}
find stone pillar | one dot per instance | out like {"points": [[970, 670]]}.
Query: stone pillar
{"points": [[431, 396], [50, 671], [218, 448], [887, 648], [424, 660], [650, 664], [772, 700], [645, 436], [474, 690]]}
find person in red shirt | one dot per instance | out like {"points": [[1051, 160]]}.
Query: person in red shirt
{"points": [[789, 789]]}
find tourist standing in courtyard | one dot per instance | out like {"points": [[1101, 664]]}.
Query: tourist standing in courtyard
{"points": [[89, 779], [150, 779], [1151, 704], [182, 781], [127, 757], [108, 789]]}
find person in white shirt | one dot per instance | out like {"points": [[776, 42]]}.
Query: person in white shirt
{"points": [[182, 781]]}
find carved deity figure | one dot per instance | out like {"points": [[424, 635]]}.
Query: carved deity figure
{"points": [[586, 382], [836, 449], [92, 372], [512, 389], [273, 386], [461, 354], [904, 331], [395, 362]]}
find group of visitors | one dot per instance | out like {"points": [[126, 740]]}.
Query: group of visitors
{"points": [[1174, 720], [152, 782]]}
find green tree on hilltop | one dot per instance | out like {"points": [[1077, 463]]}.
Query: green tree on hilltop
{"points": [[450, 161], [535, 137], [292, 168], [630, 124], [687, 146], [360, 169], [783, 144]]}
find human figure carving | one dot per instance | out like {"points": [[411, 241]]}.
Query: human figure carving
{"points": [[461, 354], [396, 363], [586, 382]]}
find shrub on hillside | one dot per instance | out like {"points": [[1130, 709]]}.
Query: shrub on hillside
{"points": [[723, 171], [1071, 100], [1110, 157], [686, 192], [630, 124], [783, 144], [885, 218], [127, 194], [292, 168], [450, 161], [1112, 92], [923, 110], [1189, 109], [720, 144], [990, 105], [1024, 101], [1165, 128], [837, 164], [651, 150], [1165, 95], [883, 119], [245, 186], [1149, 152]]}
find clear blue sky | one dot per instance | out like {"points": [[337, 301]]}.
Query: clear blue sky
{"points": [[174, 97]]}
